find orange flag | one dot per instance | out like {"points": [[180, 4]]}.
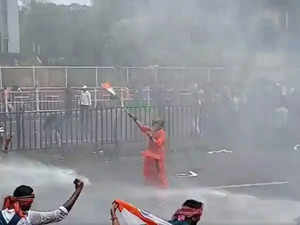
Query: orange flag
{"points": [[107, 86]]}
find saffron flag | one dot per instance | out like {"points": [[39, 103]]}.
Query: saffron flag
{"points": [[107, 86]]}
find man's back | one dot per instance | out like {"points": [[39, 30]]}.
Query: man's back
{"points": [[11, 219], [35, 217]]}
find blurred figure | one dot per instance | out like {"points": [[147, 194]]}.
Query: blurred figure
{"points": [[68, 107], [53, 127], [20, 120], [3, 137], [7, 99], [16, 208], [68, 100], [7, 142], [85, 103], [197, 104], [85, 98]]}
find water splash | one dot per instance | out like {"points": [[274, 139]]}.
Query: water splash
{"points": [[16, 170], [223, 207]]}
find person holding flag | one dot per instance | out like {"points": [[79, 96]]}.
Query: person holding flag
{"points": [[189, 214], [155, 155]]}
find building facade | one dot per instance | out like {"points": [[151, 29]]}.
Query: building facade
{"points": [[9, 27]]}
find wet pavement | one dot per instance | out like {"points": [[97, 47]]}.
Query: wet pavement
{"points": [[240, 187]]}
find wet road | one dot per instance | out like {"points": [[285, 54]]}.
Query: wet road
{"points": [[220, 184]]}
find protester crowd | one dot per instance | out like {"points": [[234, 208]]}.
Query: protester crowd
{"points": [[222, 111], [17, 210], [230, 114], [257, 113]]}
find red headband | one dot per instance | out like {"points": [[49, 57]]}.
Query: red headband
{"points": [[11, 202], [187, 212]]}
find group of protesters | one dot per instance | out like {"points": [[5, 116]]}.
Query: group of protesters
{"points": [[267, 106], [220, 107], [16, 209], [225, 111], [258, 112], [264, 105]]}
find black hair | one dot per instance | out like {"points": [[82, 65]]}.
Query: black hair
{"points": [[193, 204], [23, 190]]}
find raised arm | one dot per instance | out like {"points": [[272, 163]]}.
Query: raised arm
{"points": [[138, 123], [114, 218], [145, 129], [41, 218], [160, 140], [71, 201]]}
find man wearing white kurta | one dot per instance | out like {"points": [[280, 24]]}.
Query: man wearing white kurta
{"points": [[16, 208], [85, 97], [85, 103]]}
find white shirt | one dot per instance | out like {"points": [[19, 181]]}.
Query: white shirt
{"points": [[37, 218], [85, 98]]}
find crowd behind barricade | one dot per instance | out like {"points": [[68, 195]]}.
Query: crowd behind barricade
{"points": [[260, 112], [257, 113], [263, 108]]}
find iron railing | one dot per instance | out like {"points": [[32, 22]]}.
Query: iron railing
{"points": [[56, 129]]}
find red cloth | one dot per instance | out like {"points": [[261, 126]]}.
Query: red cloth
{"points": [[154, 158], [11, 202], [187, 212]]}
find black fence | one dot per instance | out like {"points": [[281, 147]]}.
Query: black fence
{"points": [[46, 130]]}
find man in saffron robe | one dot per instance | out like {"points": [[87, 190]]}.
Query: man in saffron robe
{"points": [[155, 155]]}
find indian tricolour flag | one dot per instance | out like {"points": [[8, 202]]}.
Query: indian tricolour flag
{"points": [[135, 216]]}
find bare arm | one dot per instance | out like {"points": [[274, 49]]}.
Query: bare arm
{"points": [[41, 218], [114, 218], [138, 123], [71, 201], [146, 130], [160, 140], [143, 128]]}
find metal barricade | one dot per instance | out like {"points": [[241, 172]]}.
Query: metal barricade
{"points": [[56, 129]]}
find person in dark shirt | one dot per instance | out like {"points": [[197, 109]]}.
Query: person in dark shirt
{"points": [[68, 101]]}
